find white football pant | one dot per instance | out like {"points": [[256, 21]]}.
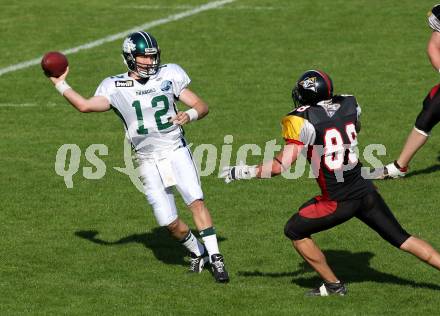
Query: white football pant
{"points": [[161, 198]]}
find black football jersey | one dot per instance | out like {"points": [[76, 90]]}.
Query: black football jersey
{"points": [[329, 131]]}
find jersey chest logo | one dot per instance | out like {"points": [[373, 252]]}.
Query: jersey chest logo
{"points": [[165, 85], [124, 83], [143, 92]]}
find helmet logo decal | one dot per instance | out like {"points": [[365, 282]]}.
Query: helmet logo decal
{"points": [[309, 84], [128, 46]]}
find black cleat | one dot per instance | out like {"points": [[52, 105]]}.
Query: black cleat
{"points": [[218, 268], [329, 288], [196, 263]]}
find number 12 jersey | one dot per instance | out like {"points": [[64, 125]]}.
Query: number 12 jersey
{"points": [[145, 108]]}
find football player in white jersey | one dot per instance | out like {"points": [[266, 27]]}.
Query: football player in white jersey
{"points": [[145, 99], [429, 115]]}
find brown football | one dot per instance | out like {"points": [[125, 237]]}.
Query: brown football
{"points": [[54, 64]]}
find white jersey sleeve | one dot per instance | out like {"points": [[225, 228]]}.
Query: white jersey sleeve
{"points": [[434, 18], [179, 78], [106, 89]]}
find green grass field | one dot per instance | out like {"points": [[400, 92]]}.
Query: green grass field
{"points": [[95, 249]]}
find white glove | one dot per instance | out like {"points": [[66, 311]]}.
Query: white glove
{"points": [[240, 172], [391, 171]]}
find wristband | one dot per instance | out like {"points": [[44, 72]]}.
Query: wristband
{"points": [[252, 172], [62, 86], [193, 114]]}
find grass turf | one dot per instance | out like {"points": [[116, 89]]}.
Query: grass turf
{"points": [[95, 249]]}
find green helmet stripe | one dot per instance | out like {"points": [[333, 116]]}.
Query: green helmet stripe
{"points": [[147, 40]]}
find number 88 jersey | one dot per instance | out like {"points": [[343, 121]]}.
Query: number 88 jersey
{"points": [[328, 130], [145, 108]]}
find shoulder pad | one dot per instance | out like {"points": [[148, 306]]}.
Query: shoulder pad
{"points": [[301, 111], [347, 98], [120, 81], [175, 67]]}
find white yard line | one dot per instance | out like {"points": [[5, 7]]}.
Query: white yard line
{"points": [[25, 105], [111, 38], [178, 7], [20, 105]]}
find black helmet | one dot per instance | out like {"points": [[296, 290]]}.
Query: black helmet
{"points": [[141, 44], [312, 87]]}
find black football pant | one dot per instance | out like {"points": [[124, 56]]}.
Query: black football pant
{"points": [[319, 214], [430, 114]]}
